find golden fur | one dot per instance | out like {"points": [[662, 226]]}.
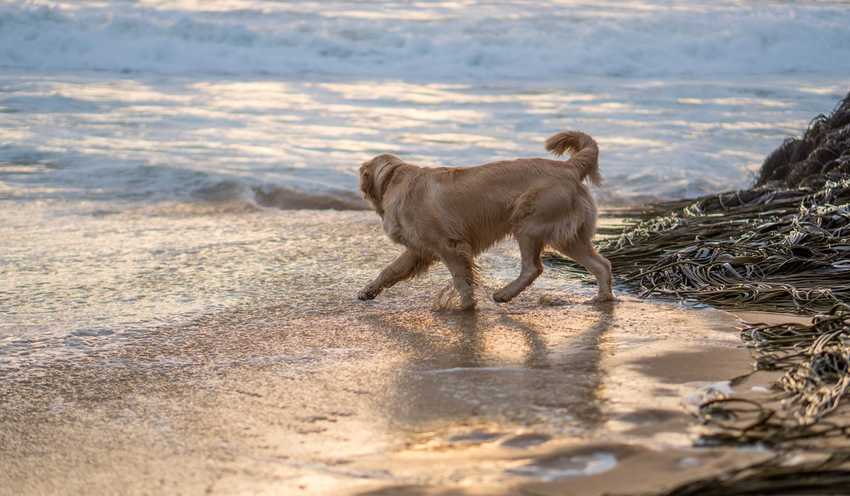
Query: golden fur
{"points": [[453, 214]]}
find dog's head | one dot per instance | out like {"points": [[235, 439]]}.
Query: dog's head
{"points": [[375, 176]]}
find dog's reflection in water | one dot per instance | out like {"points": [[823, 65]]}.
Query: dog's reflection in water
{"points": [[496, 366]]}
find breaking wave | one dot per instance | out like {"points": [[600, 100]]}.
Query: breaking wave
{"points": [[279, 197], [446, 40]]}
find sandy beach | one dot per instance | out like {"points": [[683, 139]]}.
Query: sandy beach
{"points": [[321, 394]]}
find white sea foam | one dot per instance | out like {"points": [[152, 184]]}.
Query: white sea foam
{"points": [[565, 467], [706, 391], [472, 40]]}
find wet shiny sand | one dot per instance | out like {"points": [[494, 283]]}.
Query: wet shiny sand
{"points": [[314, 392]]}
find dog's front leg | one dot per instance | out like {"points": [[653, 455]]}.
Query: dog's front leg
{"points": [[407, 265]]}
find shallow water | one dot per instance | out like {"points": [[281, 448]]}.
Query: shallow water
{"points": [[94, 282]]}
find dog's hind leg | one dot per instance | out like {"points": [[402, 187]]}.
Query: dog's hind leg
{"points": [[583, 252], [530, 248], [408, 264], [458, 259]]}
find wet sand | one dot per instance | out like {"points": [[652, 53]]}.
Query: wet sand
{"points": [[335, 396]]}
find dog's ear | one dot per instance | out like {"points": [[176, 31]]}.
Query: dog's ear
{"points": [[375, 175], [367, 185], [367, 182]]}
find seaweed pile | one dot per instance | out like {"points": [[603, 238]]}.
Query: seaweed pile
{"points": [[821, 154], [767, 249]]}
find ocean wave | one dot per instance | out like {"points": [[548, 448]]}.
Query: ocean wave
{"points": [[280, 197], [480, 41]]}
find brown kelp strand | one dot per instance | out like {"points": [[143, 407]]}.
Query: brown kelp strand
{"points": [[784, 475]]}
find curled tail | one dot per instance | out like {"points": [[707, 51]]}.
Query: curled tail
{"points": [[583, 150]]}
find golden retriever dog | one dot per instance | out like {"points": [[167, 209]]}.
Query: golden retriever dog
{"points": [[453, 214]]}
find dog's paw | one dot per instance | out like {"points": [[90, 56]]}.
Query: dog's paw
{"points": [[501, 297], [602, 299], [467, 306], [367, 294]]}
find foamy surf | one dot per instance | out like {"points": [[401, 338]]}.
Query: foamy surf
{"points": [[278, 197], [444, 40]]}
